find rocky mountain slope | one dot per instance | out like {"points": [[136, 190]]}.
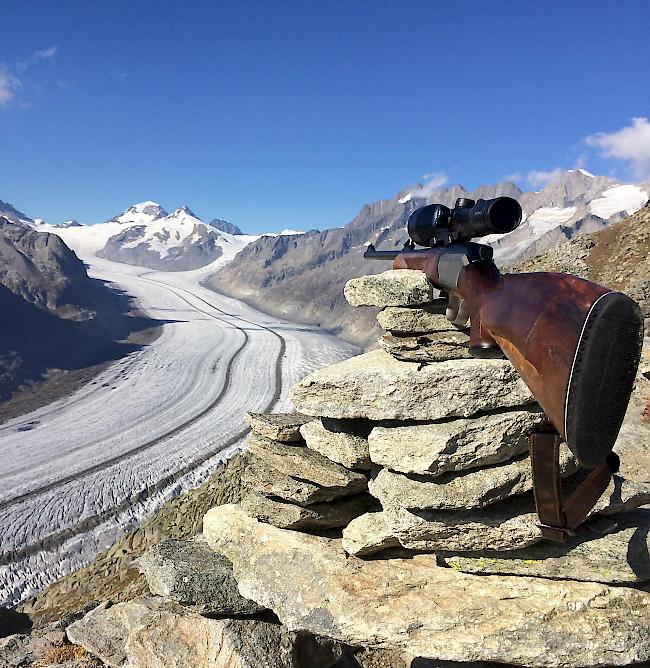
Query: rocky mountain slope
{"points": [[12, 214], [54, 315], [225, 226], [301, 277]]}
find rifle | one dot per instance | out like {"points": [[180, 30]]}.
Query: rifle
{"points": [[576, 344]]}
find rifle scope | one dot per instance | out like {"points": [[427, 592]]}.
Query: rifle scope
{"points": [[437, 224]]}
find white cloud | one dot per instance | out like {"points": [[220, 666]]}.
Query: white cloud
{"points": [[35, 58], [542, 178], [515, 176], [9, 84], [631, 144], [433, 181]]}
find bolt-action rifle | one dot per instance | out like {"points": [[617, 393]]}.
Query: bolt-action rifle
{"points": [[576, 344]]}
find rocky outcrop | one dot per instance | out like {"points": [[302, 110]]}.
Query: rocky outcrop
{"points": [[390, 288], [284, 427], [188, 572], [428, 611], [329, 479], [475, 488], [150, 632], [317, 516], [410, 321], [379, 387], [453, 445], [617, 557], [334, 442]]}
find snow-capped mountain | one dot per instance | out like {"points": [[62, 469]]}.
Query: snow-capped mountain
{"points": [[9, 212], [140, 214], [574, 202], [179, 241]]}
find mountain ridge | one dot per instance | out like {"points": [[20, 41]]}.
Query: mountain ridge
{"points": [[301, 278]]}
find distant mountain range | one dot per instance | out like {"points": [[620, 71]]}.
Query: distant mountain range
{"points": [[301, 277]]}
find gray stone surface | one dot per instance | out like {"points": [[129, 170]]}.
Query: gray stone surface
{"points": [[262, 478], [427, 348], [427, 611], [475, 488], [331, 441], [407, 321], [189, 572], [367, 535], [305, 464], [619, 557], [155, 632], [505, 527], [283, 427], [622, 494], [453, 445], [396, 287], [317, 516], [378, 387]]}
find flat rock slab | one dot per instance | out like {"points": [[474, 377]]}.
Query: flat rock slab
{"points": [[283, 427], [155, 632], [453, 445], [510, 525], [427, 611], [475, 488], [620, 557], [367, 535], [506, 527], [331, 441], [263, 479], [377, 386], [396, 287], [317, 516], [306, 464], [407, 321], [190, 573], [427, 348]]}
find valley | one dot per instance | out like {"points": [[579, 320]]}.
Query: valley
{"points": [[83, 470]]}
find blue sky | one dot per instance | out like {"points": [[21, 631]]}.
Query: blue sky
{"points": [[294, 114]]}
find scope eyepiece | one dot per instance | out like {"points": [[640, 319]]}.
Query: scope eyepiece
{"points": [[438, 224]]}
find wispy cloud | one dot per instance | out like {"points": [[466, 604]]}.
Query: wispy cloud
{"points": [[432, 182], [35, 58], [543, 178], [630, 144], [10, 83], [515, 176]]}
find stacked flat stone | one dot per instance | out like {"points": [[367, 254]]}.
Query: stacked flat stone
{"points": [[294, 485], [438, 440], [444, 434]]}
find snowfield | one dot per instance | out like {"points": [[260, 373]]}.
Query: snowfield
{"points": [[79, 473]]}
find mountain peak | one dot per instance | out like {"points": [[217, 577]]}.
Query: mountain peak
{"points": [[225, 226], [140, 214], [184, 211]]}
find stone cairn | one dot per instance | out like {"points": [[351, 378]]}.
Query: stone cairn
{"points": [[372, 516]]}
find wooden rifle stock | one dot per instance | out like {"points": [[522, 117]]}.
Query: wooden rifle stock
{"points": [[576, 344]]}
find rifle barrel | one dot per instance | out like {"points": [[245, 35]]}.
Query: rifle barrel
{"points": [[372, 254]]}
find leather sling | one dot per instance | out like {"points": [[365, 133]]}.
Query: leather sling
{"points": [[557, 519]]}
